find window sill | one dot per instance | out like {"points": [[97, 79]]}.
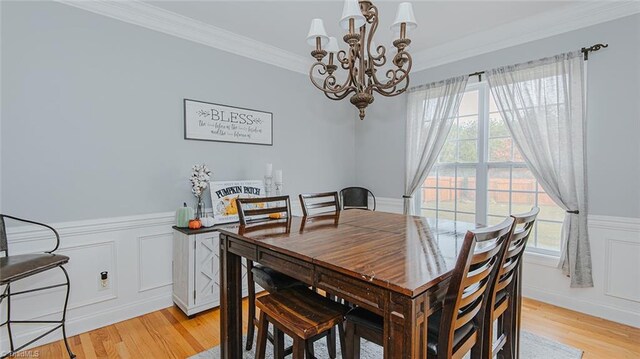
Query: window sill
{"points": [[541, 259]]}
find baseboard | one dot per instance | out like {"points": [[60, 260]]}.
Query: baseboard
{"points": [[584, 306], [98, 319]]}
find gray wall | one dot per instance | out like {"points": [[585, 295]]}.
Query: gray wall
{"points": [[92, 120], [613, 122]]}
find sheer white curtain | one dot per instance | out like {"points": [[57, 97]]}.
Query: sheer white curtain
{"points": [[430, 112], [543, 105]]}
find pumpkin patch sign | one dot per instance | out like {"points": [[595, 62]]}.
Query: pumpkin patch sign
{"points": [[224, 196], [213, 122]]}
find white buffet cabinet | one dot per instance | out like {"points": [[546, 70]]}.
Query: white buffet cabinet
{"points": [[196, 270]]}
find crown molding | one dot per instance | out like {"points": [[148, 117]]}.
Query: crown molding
{"points": [[152, 17], [518, 32], [529, 29]]}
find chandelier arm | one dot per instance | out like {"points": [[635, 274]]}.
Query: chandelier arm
{"points": [[391, 87], [378, 57], [392, 75], [335, 96], [329, 82]]}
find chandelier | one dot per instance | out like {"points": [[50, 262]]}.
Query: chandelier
{"points": [[363, 58]]}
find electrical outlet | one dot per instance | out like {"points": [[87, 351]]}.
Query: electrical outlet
{"points": [[103, 280]]}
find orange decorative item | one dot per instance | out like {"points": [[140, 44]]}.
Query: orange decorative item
{"points": [[195, 224], [275, 215]]}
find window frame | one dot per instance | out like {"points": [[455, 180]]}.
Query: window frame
{"points": [[482, 167]]}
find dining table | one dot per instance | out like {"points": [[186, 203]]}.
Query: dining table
{"points": [[397, 266]]}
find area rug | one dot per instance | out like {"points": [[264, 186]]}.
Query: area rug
{"points": [[532, 347]]}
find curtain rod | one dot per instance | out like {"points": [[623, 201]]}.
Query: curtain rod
{"points": [[585, 52]]}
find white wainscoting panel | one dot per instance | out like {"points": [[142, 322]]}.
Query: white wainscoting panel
{"points": [[154, 260], [622, 262], [137, 253]]}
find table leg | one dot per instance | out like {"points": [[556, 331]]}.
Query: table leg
{"points": [[405, 327], [230, 302]]}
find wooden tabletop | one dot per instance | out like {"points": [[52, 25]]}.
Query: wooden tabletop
{"points": [[407, 254]]}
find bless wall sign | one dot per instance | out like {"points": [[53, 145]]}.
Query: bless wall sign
{"points": [[213, 122]]}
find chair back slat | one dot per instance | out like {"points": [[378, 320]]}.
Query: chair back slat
{"points": [[244, 212], [357, 198], [469, 312], [523, 225], [472, 281], [319, 203], [4, 247]]}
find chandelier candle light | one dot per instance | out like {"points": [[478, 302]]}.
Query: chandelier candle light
{"points": [[361, 60]]}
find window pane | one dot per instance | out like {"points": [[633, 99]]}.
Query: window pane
{"points": [[446, 199], [522, 202], [453, 132], [466, 201], [468, 127], [533, 242], [447, 177], [492, 104], [447, 215], [497, 127], [464, 217], [549, 235], [548, 208], [499, 178], [493, 220], [432, 179], [499, 149], [469, 104], [523, 180], [467, 177], [498, 203], [448, 153], [429, 213], [468, 151], [428, 198], [517, 156]]}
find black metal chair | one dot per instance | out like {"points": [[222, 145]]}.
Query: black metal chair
{"points": [[16, 267], [357, 198]]}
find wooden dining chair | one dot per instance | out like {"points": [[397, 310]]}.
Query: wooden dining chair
{"points": [[455, 329], [319, 203], [506, 297], [272, 281], [357, 198], [302, 314]]}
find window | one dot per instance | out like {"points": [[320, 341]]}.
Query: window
{"points": [[481, 177]]}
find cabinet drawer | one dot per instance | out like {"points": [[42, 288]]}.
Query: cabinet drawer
{"points": [[351, 289], [290, 266]]}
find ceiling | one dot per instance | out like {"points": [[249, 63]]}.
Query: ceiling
{"points": [[284, 24]]}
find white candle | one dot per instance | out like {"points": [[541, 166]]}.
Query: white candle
{"points": [[278, 176], [269, 170]]}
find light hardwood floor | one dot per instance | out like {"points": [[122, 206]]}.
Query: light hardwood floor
{"points": [[168, 333]]}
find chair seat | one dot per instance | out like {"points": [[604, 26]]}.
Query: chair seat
{"points": [[273, 281], [302, 312], [459, 336], [373, 321], [366, 318], [24, 265]]}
